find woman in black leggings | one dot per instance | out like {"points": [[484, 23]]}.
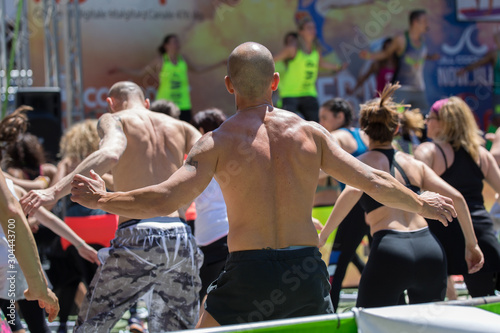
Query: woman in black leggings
{"points": [[457, 156], [404, 256]]}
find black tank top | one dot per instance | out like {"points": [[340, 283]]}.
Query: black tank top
{"points": [[368, 203], [465, 175]]}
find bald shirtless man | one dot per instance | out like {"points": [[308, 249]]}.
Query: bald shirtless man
{"points": [[267, 162], [158, 256]]}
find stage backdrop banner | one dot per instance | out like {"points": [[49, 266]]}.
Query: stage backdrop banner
{"points": [[127, 33]]}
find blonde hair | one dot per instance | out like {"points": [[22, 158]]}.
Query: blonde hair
{"points": [[80, 140], [411, 121], [379, 118], [459, 127]]}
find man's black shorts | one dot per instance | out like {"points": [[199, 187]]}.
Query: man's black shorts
{"points": [[259, 285]]}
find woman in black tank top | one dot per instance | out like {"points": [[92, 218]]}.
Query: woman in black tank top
{"points": [[404, 256], [457, 155]]}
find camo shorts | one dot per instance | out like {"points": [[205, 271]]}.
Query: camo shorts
{"points": [[156, 260]]}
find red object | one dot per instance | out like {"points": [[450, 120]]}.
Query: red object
{"points": [[94, 229], [191, 212]]}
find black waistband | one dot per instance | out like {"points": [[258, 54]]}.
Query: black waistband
{"points": [[133, 222], [273, 254]]}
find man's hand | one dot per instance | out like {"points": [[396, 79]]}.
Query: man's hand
{"points": [[86, 191], [47, 300], [437, 207], [474, 258], [34, 199]]}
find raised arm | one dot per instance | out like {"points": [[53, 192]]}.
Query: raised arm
{"points": [[432, 182], [490, 169], [112, 146], [203, 69], [380, 185], [39, 183], [152, 68], [489, 58], [397, 45], [19, 237], [372, 70], [495, 147], [285, 54], [328, 65], [158, 200]]}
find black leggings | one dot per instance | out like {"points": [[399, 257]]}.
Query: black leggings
{"points": [[67, 270], [399, 261], [349, 235], [32, 313], [482, 283]]}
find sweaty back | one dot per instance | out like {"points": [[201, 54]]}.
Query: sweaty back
{"points": [[156, 145], [261, 167]]}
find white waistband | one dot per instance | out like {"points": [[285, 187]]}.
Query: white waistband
{"points": [[161, 225], [409, 230]]}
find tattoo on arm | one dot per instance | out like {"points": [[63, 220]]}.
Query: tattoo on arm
{"points": [[106, 123], [191, 164]]}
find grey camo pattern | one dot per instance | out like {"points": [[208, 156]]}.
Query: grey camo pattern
{"points": [[161, 265]]}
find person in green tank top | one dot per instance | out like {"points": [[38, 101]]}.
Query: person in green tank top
{"points": [[491, 58], [298, 86], [172, 68], [281, 67]]}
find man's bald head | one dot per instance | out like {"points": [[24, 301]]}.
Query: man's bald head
{"points": [[251, 67], [126, 92]]}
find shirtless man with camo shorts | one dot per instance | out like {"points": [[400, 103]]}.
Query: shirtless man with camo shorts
{"points": [[158, 257], [267, 162]]}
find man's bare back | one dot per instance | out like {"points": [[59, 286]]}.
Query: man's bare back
{"points": [[262, 155], [156, 146], [139, 146]]}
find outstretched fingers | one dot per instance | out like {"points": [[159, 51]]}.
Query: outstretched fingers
{"points": [[438, 207]]}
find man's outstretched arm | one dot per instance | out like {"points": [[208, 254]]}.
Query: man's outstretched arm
{"points": [[157, 200], [112, 146], [380, 185]]}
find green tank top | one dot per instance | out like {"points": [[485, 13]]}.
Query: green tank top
{"points": [[301, 75], [174, 83]]}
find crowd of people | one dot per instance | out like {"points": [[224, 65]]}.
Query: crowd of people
{"points": [[269, 187]]}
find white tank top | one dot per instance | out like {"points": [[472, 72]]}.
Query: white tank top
{"points": [[211, 221]]}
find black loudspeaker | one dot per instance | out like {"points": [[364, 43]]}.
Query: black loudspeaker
{"points": [[45, 119]]}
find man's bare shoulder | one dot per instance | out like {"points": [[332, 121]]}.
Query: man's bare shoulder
{"points": [[275, 118], [135, 115]]}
